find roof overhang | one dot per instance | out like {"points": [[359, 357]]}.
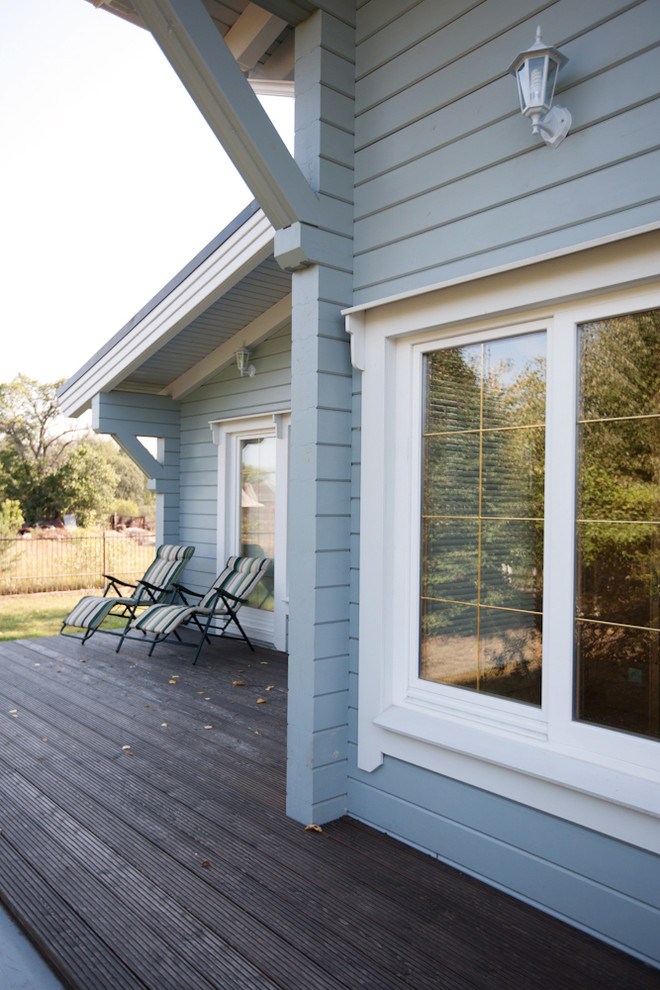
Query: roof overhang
{"points": [[192, 327], [260, 40]]}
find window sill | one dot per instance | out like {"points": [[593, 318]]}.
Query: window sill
{"points": [[619, 799]]}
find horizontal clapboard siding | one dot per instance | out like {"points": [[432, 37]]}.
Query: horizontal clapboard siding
{"points": [[450, 181], [226, 395], [449, 178]]}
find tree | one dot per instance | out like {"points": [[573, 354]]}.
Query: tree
{"points": [[131, 480], [84, 485], [28, 410], [43, 466]]}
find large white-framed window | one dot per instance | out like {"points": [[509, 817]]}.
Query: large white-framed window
{"points": [[252, 512], [482, 433]]}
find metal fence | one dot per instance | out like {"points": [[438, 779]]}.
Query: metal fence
{"points": [[62, 562]]}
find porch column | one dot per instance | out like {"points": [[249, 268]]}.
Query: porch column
{"points": [[320, 456], [129, 415]]}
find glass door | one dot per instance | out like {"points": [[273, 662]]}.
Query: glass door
{"points": [[252, 513]]}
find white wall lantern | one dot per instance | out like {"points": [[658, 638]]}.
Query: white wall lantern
{"points": [[536, 73], [243, 362]]}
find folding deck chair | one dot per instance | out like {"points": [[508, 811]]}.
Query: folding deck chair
{"points": [[157, 585], [221, 602]]}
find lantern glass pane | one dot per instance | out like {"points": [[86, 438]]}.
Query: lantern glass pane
{"points": [[537, 81], [553, 68]]}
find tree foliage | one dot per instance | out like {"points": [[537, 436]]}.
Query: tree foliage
{"points": [[11, 517], [50, 468], [27, 412]]}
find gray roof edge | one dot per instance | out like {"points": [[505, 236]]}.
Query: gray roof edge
{"points": [[162, 294]]}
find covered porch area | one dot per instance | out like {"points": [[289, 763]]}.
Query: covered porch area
{"points": [[144, 844]]}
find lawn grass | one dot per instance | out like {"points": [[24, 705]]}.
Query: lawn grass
{"points": [[30, 616]]}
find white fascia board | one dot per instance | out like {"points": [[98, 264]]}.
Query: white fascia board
{"points": [[229, 263], [268, 322], [198, 54]]}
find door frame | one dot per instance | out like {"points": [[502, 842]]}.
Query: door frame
{"points": [[268, 627]]}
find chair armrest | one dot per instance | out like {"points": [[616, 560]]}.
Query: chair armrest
{"points": [[234, 598], [114, 580], [152, 589], [187, 591], [115, 583]]}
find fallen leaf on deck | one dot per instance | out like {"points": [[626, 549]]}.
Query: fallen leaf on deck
{"points": [[126, 747], [83, 661], [256, 732], [12, 711], [172, 682], [164, 724], [313, 828], [200, 692], [237, 683], [13, 715], [264, 663], [261, 701], [208, 726], [270, 687], [205, 862], [37, 665], [239, 671], [44, 738]]}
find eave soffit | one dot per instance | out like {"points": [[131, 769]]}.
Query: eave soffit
{"points": [[192, 327], [259, 36]]}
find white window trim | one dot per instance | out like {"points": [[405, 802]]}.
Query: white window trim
{"points": [[606, 780], [227, 433]]}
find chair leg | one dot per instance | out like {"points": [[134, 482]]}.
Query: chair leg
{"points": [[204, 635]]}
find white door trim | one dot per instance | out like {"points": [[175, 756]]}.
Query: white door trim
{"points": [[269, 627]]}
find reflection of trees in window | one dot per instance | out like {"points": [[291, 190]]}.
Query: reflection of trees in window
{"points": [[618, 528], [257, 538], [482, 517]]}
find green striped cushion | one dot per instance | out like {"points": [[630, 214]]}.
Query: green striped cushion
{"points": [[239, 577], [162, 619], [91, 610], [165, 570]]}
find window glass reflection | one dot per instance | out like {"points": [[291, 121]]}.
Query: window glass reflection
{"points": [[257, 536], [482, 517], [618, 524]]}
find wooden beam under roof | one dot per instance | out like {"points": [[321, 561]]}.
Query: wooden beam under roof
{"points": [[209, 72], [252, 34]]}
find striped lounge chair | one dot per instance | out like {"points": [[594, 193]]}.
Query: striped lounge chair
{"points": [[157, 585], [220, 604]]}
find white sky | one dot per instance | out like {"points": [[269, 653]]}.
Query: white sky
{"points": [[110, 181]]}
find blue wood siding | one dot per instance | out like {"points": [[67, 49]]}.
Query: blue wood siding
{"points": [[129, 415], [450, 179], [226, 395]]}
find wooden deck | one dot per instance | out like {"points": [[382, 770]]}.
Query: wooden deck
{"points": [[144, 845]]}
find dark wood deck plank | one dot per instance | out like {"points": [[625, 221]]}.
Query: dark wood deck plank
{"points": [[173, 864]]}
